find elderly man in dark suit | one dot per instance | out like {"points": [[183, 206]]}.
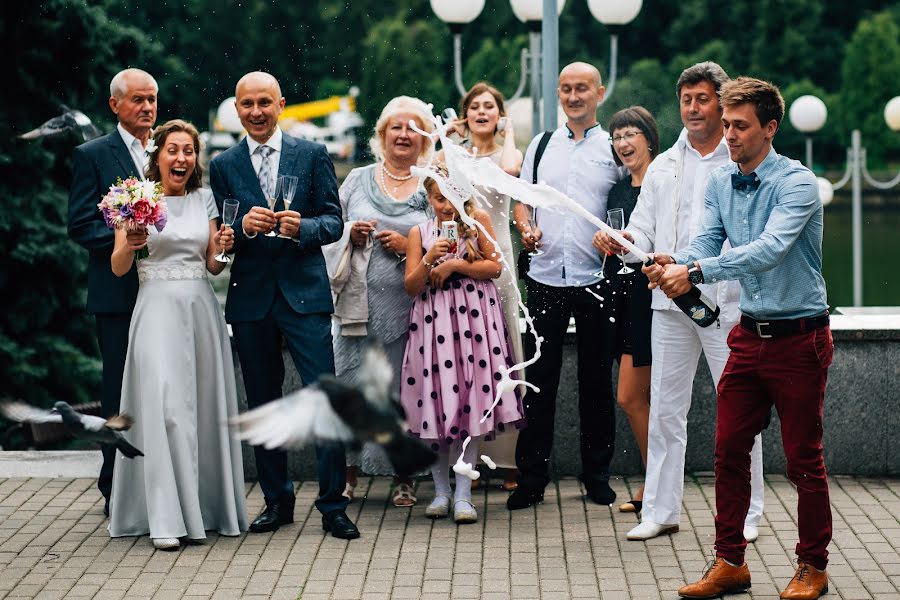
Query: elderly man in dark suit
{"points": [[279, 289], [95, 166]]}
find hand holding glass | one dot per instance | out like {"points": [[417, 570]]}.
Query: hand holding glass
{"points": [[532, 225], [229, 214], [616, 218], [272, 201], [288, 189]]}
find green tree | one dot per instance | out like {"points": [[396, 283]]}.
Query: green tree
{"points": [[62, 52], [404, 57], [869, 74]]}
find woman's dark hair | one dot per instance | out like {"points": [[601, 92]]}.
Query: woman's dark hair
{"points": [[640, 117], [159, 139]]}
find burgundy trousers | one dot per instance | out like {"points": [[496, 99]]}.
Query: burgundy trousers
{"points": [[790, 373]]}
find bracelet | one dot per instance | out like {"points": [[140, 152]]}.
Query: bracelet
{"points": [[428, 266]]}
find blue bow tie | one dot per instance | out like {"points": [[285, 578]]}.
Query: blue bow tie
{"points": [[744, 182]]}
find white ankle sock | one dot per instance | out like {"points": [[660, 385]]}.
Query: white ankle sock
{"points": [[440, 472], [463, 483]]}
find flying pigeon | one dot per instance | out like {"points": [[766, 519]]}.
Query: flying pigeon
{"points": [[331, 411], [85, 427], [70, 119]]}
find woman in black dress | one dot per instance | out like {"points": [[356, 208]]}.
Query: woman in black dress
{"points": [[635, 141]]}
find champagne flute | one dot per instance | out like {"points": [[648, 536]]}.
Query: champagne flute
{"points": [[279, 183], [616, 218], [229, 214], [288, 189], [532, 224], [602, 272]]}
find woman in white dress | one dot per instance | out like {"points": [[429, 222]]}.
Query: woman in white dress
{"points": [[483, 119], [179, 380]]}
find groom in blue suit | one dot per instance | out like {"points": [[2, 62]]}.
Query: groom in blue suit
{"points": [[279, 290], [95, 166]]}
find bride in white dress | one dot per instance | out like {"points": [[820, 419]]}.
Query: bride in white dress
{"points": [[179, 380]]}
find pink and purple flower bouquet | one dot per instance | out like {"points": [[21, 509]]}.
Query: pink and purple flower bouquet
{"points": [[134, 205]]}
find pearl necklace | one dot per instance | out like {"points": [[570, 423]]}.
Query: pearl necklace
{"points": [[402, 180], [394, 177]]}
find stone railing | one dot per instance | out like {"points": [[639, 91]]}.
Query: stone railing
{"points": [[862, 408]]}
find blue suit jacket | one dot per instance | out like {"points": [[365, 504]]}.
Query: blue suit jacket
{"points": [[95, 166], [262, 264]]}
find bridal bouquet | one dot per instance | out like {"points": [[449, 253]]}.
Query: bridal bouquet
{"points": [[134, 205]]}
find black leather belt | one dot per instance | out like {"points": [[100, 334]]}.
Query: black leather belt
{"points": [[784, 327]]}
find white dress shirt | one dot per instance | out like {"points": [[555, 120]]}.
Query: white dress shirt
{"points": [[274, 143], [669, 213], [584, 170], [136, 150]]}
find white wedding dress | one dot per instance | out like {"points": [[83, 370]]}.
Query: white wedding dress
{"points": [[179, 386]]}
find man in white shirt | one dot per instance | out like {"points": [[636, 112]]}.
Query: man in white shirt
{"points": [[577, 161], [669, 213]]}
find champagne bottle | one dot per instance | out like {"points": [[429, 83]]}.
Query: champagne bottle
{"points": [[698, 307], [694, 303]]}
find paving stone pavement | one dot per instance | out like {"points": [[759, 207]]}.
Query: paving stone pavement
{"points": [[54, 544]]}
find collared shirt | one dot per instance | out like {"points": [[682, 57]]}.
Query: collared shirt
{"points": [[584, 170], [669, 214], [136, 150], [274, 143], [776, 237]]}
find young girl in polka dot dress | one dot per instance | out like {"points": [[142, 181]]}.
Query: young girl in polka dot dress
{"points": [[457, 344]]}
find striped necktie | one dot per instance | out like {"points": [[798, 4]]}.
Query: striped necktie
{"points": [[265, 170]]}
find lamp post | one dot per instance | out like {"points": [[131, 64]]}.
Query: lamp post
{"points": [[612, 13], [808, 114]]}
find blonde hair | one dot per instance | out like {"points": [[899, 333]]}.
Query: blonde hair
{"points": [[398, 105], [470, 234]]}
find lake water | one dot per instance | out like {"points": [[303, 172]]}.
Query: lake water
{"points": [[881, 240]]}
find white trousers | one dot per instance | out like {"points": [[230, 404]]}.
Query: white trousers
{"points": [[676, 343]]}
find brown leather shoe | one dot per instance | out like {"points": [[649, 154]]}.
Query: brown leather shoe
{"points": [[720, 578], [808, 583]]}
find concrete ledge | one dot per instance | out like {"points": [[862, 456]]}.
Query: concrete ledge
{"points": [[862, 409], [51, 463]]}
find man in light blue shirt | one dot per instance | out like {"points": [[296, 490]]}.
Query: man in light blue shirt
{"points": [[767, 206], [577, 161]]}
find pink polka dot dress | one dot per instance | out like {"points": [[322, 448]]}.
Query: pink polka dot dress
{"points": [[457, 343]]}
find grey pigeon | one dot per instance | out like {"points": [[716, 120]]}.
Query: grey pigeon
{"points": [[70, 119], [331, 411], [84, 427]]}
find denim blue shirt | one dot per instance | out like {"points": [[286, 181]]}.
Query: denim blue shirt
{"points": [[584, 170], [776, 237]]}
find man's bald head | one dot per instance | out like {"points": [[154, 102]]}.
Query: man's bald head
{"points": [[258, 79], [258, 99], [580, 93], [582, 69]]}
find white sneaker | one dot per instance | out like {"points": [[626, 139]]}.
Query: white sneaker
{"points": [[648, 530], [464, 512], [166, 543], [439, 507], [751, 533]]}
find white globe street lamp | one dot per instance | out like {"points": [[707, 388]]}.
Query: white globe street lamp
{"points": [[533, 10], [457, 11], [808, 114], [614, 14], [227, 117], [892, 113]]}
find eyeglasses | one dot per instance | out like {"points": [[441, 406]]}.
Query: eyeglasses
{"points": [[628, 137]]}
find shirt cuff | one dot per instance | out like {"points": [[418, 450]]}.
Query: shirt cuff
{"points": [[712, 270], [247, 235]]}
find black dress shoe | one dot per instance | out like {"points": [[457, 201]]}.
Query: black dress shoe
{"points": [[339, 524], [600, 492], [274, 516], [106, 508], [522, 498]]}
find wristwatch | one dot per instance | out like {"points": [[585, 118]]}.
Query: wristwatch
{"points": [[695, 275]]}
